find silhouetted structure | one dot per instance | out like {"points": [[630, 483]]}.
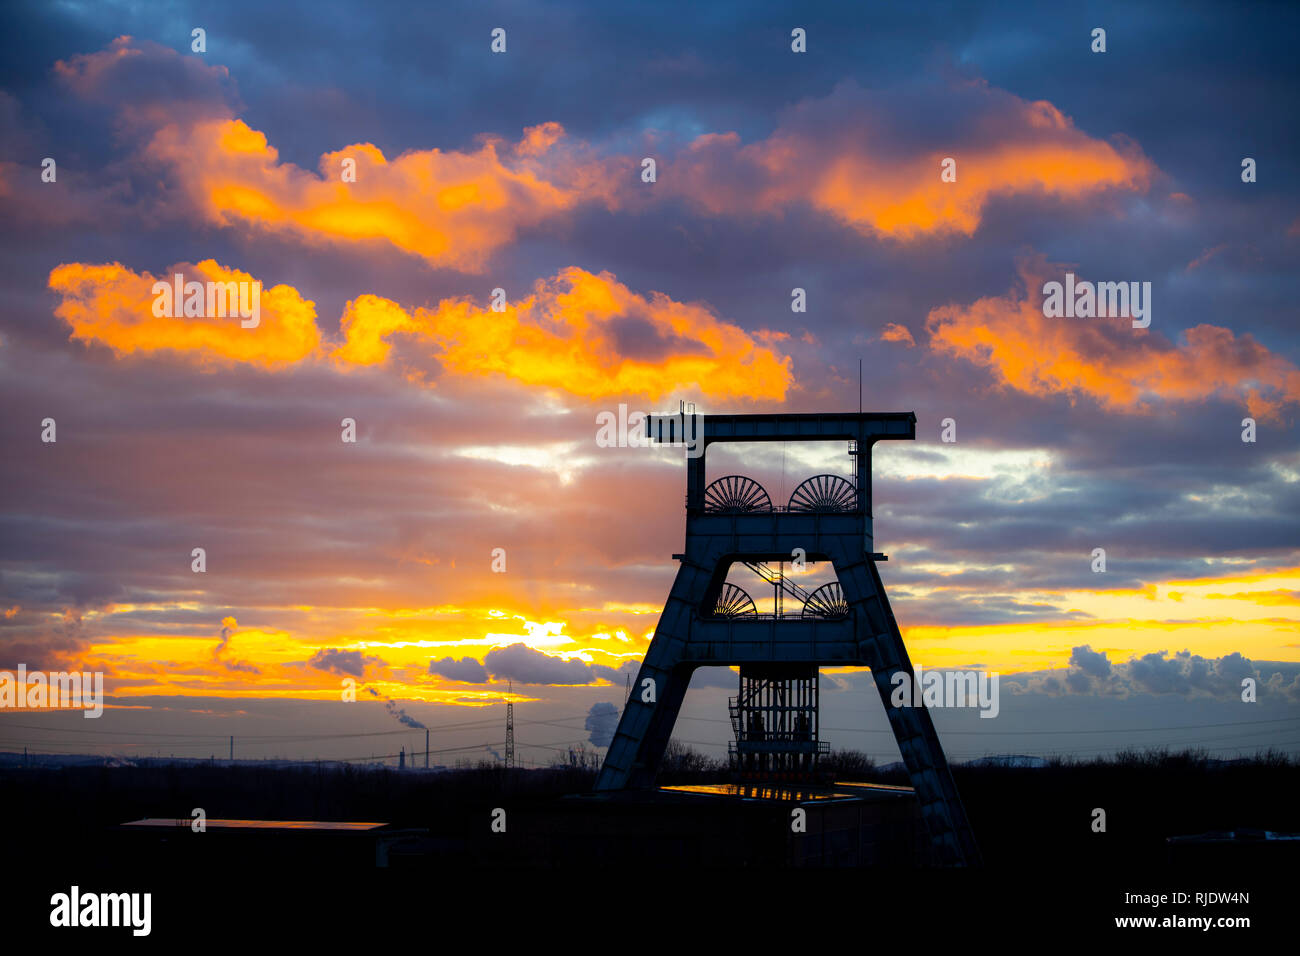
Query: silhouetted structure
{"points": [[775, 718], [707, 621]]}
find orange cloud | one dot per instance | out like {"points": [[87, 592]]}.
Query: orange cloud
{"points": [[86, 72], [844, 156], [1278, 597], [147, 84], [1104, 359], [400, 639], [456, 208], [893, 332], [587, 334], [1205, 257], [451, 208], [392, 646], [854, 155], [113, 305]]}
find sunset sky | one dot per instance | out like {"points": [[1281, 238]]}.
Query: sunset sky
{"points": [[476, 429]]}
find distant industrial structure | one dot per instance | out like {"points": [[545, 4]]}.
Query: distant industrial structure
{"points": [[709, 621]]}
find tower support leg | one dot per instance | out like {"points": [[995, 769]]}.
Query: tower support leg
{"points": [[883, 651]]}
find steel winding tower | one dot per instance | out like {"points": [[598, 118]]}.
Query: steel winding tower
{"points": [[848, 623]]}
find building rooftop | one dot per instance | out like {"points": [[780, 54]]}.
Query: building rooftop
{"points": [[258, 824]]}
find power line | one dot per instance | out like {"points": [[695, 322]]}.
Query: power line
{"points": [[557, 746], [199, 740], [278, 738], [1001, 733]]}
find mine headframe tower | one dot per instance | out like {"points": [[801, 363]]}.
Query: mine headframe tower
{"points": [[708, 621]]}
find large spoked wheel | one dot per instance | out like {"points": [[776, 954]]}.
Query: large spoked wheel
{"points": [[825, 493], [736, 494], [734, 602], [827, 603]]}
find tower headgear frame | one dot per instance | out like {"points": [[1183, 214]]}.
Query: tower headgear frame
{"points": [[734, 521]]}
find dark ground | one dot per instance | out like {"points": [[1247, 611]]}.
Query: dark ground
{"points": [[1044, 864]]}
